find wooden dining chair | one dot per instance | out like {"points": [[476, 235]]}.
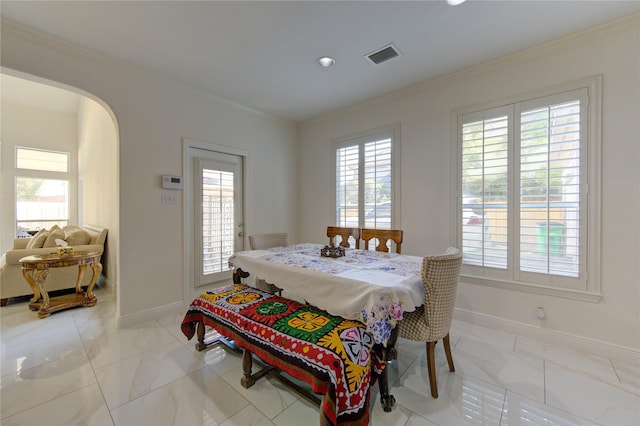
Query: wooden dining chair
{"points": [[432, 321], [383, 236], [265, 241], [344, 234]]}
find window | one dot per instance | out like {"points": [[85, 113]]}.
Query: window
{"points": [[42, 189], [365, 180], [36, 159], [526, 193]]}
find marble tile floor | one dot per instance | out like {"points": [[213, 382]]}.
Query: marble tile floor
{"points": [[75, 367]]}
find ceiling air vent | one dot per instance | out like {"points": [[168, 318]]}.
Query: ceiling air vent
{"points": [[383, 55]]}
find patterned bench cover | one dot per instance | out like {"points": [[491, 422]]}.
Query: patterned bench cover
{"points": [[332, 354]]}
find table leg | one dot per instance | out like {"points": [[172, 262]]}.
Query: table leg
{"points": [[387, 354], [40, 276], [247, 379], [81, 270], [28, 275], [200, 331], [238, 275], [97, 270], [323, 419]]}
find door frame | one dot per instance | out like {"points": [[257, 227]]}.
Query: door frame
{"points": [[188, 147]]}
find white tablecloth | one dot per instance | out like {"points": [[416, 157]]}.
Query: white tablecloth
{"points": [[368, 286]]}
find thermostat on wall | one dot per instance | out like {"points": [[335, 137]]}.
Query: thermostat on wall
{"points": [[172, 182]]}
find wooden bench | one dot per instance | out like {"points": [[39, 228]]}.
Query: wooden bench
{"points": [[332, 354]]}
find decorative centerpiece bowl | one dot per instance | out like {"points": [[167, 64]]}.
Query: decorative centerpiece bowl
{"points": [[331, 251], [65, 251]]}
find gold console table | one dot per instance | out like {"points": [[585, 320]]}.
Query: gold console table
{"points": [[36, 268]]}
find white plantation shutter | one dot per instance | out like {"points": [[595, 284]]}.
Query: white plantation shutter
{"points": [[522, 202], [377, 178], [552, 205], [485, 190], [364, 181], [347, 185], [218, 217]]}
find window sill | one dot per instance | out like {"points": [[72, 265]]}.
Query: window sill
{"points": [[581, 295]]}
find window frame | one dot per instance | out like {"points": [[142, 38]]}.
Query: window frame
{"points": [[590, 238], [361, 138], [19, 148], [31, 173]]}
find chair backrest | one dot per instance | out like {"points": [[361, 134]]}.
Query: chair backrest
{"points": [[440, 275], [344, 233], [383, 235], [265, 241]]}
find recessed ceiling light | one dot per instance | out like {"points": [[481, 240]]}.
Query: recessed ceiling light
{"points": [[326, 61], [455, 2]]}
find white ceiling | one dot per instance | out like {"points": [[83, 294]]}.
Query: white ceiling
{"points": [[263, 54]]}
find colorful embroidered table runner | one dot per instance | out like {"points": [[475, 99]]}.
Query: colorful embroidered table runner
{"points": [[368, 286], [330, 353]]}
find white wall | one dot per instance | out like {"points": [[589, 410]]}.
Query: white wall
{"points": [[153, 115], [424, 114], [98, 178], [23, 125]]}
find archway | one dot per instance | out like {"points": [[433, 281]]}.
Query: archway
{"points": [[42, 114]]}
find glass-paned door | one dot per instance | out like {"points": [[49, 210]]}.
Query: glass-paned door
{"points": [[218, 215]]}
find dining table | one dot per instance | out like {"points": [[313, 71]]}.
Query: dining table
{"points": [[372, 287]]}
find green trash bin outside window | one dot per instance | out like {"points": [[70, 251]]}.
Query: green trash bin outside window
{"points": [[556, 238]]}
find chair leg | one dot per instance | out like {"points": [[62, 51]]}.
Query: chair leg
{"points": [[447, 351], [431, 367]]}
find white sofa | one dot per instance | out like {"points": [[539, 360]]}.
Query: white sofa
{"points": [[13, 284]]}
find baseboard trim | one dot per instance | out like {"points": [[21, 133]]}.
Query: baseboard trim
{"points": [[124, 321], [581, 343]]}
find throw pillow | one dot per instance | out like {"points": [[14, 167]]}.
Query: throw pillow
{"points": [[76, 236], [55, 233], [37, 241]]}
